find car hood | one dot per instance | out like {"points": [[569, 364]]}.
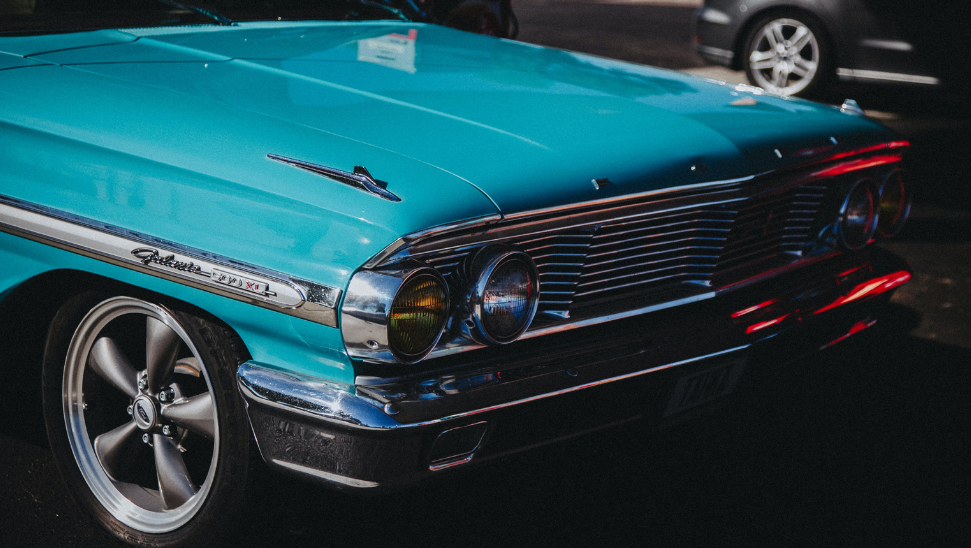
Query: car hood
{"points": [[458, 125]]}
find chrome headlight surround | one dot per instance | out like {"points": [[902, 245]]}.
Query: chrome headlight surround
{"points": [[894, 205], [486, 267], [366, 314], [859, 215]]}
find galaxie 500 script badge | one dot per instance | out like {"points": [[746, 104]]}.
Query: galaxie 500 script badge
{"points": [[149, 256]]}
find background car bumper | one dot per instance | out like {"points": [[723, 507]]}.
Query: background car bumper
{"points": [[663, 368]]}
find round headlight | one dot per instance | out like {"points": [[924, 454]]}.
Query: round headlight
{"points": [[858, 216], [418, 315], [505, 295], [894, 204]]}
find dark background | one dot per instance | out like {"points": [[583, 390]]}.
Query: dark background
{"points": [[867, 445]]}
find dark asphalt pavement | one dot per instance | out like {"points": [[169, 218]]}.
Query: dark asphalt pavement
{"points": [[868, 445]]}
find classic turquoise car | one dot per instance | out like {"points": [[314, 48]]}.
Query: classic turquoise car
{"points": [[371, 251]]}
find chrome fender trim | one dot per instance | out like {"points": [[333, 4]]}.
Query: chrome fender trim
{"points": [[170, 261]]}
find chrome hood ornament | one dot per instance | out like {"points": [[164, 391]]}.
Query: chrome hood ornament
{"points": [[360, 178], [850, 106]]}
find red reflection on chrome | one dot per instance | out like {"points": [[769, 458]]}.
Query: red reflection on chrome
{"points": [[857, 165], [850, 271], [873, 287], [857, 327], [762, 325], [750, 309], [873, 148]]}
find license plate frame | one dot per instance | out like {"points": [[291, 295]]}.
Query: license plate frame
{"points": [[705, 386]]}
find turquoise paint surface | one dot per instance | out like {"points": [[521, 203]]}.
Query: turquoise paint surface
{"points": [[166, 131]]}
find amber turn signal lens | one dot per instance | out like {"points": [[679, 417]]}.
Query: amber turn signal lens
{"points": [[418, 316], [894, 205]]}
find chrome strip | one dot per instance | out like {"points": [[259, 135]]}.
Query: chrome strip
{"points": [[324, 475], [462, 345], [170, 261], [894, 45], [855, 74], [360, 178], [390, 250], [717, 17], [259, 384], [727, 55], [633, 198]]}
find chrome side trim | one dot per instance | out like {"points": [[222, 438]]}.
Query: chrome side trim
{"points": [[893, 45], [262, 385], [727, 55], [170, 261], [717, 17], [855, 74], [327, 476], [360, 178]]}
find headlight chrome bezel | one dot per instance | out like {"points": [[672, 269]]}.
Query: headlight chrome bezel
{"points": [[486, 263], [854, 234], [367, 308]]}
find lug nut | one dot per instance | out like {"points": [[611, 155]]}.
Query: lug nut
{"points": [[142, 383], [168, 430], [145, 438], [163, 396], [131, 410]]}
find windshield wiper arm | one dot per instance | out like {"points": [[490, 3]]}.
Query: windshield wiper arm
{"points": [[390, 9], [212, 14]]}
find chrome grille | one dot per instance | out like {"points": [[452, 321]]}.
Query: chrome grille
{"points": [[695, 240]]}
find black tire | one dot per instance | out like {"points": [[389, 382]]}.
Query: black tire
{"points": [[107, 357], [803, 66]]}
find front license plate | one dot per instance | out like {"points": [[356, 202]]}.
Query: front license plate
{"points": [[705, 386]]}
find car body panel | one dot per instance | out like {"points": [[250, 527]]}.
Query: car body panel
{"points": [[178, 148]]}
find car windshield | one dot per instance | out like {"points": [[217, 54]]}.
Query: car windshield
{"points": [[45, 16]]}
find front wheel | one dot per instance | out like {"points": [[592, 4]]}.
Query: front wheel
{"points": [[144, 419], [787, 56]]}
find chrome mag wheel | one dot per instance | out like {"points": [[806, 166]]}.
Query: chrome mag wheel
{"points": [[784, 56], [141, 442], [160, 396]]}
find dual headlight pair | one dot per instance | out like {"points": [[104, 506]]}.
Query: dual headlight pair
{"points": [[398, 316], [872, 208]]}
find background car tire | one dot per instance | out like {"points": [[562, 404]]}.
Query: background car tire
{"points": [[788, 53], [108, 357]]}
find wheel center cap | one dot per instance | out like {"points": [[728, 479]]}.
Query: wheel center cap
{"points": [[144, 412]]}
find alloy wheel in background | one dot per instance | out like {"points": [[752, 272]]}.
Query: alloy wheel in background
{"points": [[785, 56]]}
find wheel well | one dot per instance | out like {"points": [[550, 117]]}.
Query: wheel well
{"points": [[25, 315], [776, 11]]}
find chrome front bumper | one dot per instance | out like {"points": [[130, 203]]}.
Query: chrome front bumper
{"points": [[378, 435]]}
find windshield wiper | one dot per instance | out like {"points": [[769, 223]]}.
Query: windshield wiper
{"points": [[393, 10], [212, 14]]}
